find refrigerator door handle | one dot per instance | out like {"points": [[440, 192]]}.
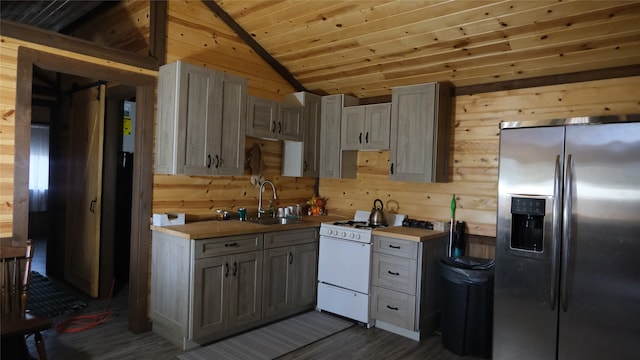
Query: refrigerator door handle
{"points": [[566, 231], [556, 232]]}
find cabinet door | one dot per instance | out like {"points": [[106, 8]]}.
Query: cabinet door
{"points": [[245, 288], [394, 307], [289, 125], [305, 274], [420, 133], [290, 237], [198, 100], [377, 126], [201, 121], [395, 273], [262, 117], [231, 127], [311, 137], [330, 128], [210, 296], [277, 280], [352, 134], [166, 129]]}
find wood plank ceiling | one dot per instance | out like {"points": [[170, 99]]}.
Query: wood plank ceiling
{"points": [[365, 48]]}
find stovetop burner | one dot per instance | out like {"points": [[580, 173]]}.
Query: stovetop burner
{"points": [[358, 224]]}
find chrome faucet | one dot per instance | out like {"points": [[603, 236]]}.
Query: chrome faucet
{"points": [[261, 211]]}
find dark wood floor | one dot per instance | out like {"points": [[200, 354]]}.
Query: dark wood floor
{"points": [[112, 340]]}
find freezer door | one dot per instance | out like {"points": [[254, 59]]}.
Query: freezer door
{"points": [[525, 310], [600, 317]]}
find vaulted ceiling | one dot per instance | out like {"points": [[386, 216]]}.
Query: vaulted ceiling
{"points": [[367, 47]]}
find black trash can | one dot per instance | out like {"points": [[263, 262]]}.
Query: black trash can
{"points": [[467, 307]]}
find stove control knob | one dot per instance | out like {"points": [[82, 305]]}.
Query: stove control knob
{"points": [[343, 234], [352, 235], [357, 236], [331, 232]]}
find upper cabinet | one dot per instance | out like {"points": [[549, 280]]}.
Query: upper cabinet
{"points": [[262, 117], [201, 121], [270, 119], [366, 127], [303, 158], [330, 136], [420, 133]]}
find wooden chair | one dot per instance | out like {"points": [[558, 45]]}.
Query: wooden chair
{"points": [[15, 275]]}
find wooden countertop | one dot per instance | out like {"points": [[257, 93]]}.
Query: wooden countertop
{"points": [[409, 233], [213, 228]]}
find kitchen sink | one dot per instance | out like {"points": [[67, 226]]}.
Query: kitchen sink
{"points": [[275, 221]]}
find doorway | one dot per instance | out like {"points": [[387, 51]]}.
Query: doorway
{"points": [[55, 96], [142, 173]]}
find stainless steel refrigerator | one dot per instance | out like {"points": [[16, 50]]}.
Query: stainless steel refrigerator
{"points": [[567, 272]]}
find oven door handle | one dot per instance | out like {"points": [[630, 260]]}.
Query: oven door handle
{"points": [[337, 289]]}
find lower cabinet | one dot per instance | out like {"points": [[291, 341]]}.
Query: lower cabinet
{"points": [[405, 291], [290, 272], [227, 293], [204, 290]]}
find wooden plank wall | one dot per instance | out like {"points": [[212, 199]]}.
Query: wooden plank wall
{"points": [[8, 72], [194, 37], [197, 37], [125, 25], [474, 164]]}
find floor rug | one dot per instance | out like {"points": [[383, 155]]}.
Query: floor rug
{"points": [[48, 299], [273, 340]]}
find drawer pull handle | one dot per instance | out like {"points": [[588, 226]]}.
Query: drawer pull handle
{"points": [[231, 244], [392, 308], [393, 273], [394, 246]]}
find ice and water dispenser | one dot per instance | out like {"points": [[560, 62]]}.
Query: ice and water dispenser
{"points": [[527, 222]]}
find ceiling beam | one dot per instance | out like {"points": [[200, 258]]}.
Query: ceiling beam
{"points": [[247, 38]]}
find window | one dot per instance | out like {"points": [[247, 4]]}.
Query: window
{"points": [[39, 168]]}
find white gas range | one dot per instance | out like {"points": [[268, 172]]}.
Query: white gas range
{"points": [[344, 266]]}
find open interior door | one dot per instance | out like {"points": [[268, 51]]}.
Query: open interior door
{"points": [[84, 195]]}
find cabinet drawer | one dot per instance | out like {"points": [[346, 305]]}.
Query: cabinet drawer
{"points": [[393, 307], [394, 273], [396, 247], [228, 245], [290, 237]]}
